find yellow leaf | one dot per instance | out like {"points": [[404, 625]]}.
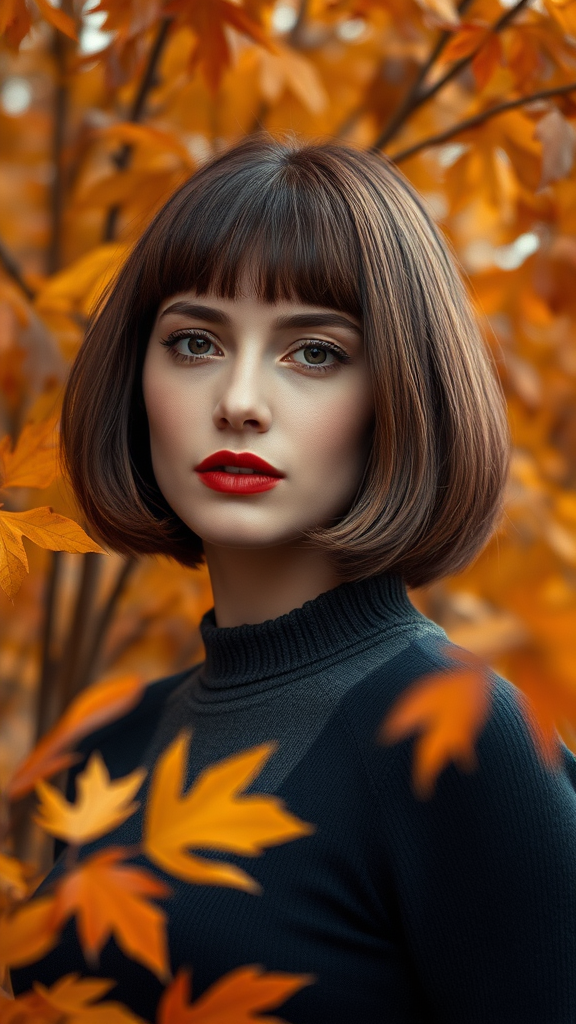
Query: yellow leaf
{"points": [[91, 709], [78, 287], [100, 807], [448, 708], [107, 898], [45, 528], [213, 815], [288, 69], [27, 934], [33, 462], [237, 998]]}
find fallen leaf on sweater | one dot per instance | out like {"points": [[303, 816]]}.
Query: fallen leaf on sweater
{"points": [[90, 710], [448, 708], [107, 897], [100, 807], [27, 933], [74, 1000], [234, 999], [213, 815]]}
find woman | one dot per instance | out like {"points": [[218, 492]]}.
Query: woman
{"points": [[286, 379]]}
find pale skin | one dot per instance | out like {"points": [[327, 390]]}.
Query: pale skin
{"points": [[250, 382]]}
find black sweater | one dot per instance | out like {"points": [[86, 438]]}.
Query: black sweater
{"points": [[460, 909]]}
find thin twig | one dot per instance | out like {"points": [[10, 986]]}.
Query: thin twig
{"points": [[13, 270], [406, 106], [485, 115], [419, 98], [122, 157]]}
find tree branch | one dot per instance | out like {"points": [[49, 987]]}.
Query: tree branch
{"points": [[45, 716], [61, 97], [123, 155], [90, 660], [417, 99], [405, 107], [485, 115]]}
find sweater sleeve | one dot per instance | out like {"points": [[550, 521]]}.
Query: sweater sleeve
{"points": [[485, 876]]}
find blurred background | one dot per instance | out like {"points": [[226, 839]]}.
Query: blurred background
{"points": [[104, 110]]}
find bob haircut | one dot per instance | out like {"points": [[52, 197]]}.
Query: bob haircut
{"points": [[327, 225]]}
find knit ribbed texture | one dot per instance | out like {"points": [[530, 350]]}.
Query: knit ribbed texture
{"points": [[460, 909]]}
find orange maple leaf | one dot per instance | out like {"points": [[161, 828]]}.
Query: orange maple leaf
{"points": [[33, 461], [107, 898], [234, 999], [71, 1001], [16, 22], [213, 815], [91, 709], [100, 807], [209, 19], [449, 708], [13, 876], [27, 933], [45, 528]]}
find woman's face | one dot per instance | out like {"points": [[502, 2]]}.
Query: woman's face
{"points": [[286, 383]]}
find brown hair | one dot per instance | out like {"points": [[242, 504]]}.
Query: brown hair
{"points": [[332, 226]]}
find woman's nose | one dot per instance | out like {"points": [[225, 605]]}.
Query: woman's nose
{"points": [[241, 402]]}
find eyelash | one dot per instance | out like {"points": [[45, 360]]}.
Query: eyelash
{"points": [[171, 341]]}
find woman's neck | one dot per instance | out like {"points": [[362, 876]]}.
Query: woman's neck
{"points": [[251, 585]]}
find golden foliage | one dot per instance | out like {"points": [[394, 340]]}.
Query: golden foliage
{"points": [[478, 106]]}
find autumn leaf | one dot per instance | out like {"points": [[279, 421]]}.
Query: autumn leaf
{"points": [[101, 804], [213, 815], [209, 20], [234, 999], [108, 898], [90, 710], [74, 1000], [449, 709], [15, 21], [27, 933], [57, 18], [77, 288], [45, 528], [33, 461]]}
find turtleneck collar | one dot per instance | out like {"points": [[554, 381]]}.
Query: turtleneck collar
{"points": [[348, 617]]}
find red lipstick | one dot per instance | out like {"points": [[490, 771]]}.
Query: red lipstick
{"points": [[222, 471]]}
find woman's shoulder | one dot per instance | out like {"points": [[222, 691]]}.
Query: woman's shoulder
{"points": [[476, 732], [123, 741]]}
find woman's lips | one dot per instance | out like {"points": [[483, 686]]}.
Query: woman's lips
{"points": [[237, 473]]}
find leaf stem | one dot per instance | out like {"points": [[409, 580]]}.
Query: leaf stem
{"points": [[485, 115]]}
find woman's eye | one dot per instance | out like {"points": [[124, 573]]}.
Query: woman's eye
{"points": [[188, 344], [314, 354]]}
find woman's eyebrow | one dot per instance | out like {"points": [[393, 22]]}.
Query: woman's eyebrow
{"points": [[296, 320]]}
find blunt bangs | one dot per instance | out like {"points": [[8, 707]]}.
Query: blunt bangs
{"points": [[275, 218], [326, 225]]}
